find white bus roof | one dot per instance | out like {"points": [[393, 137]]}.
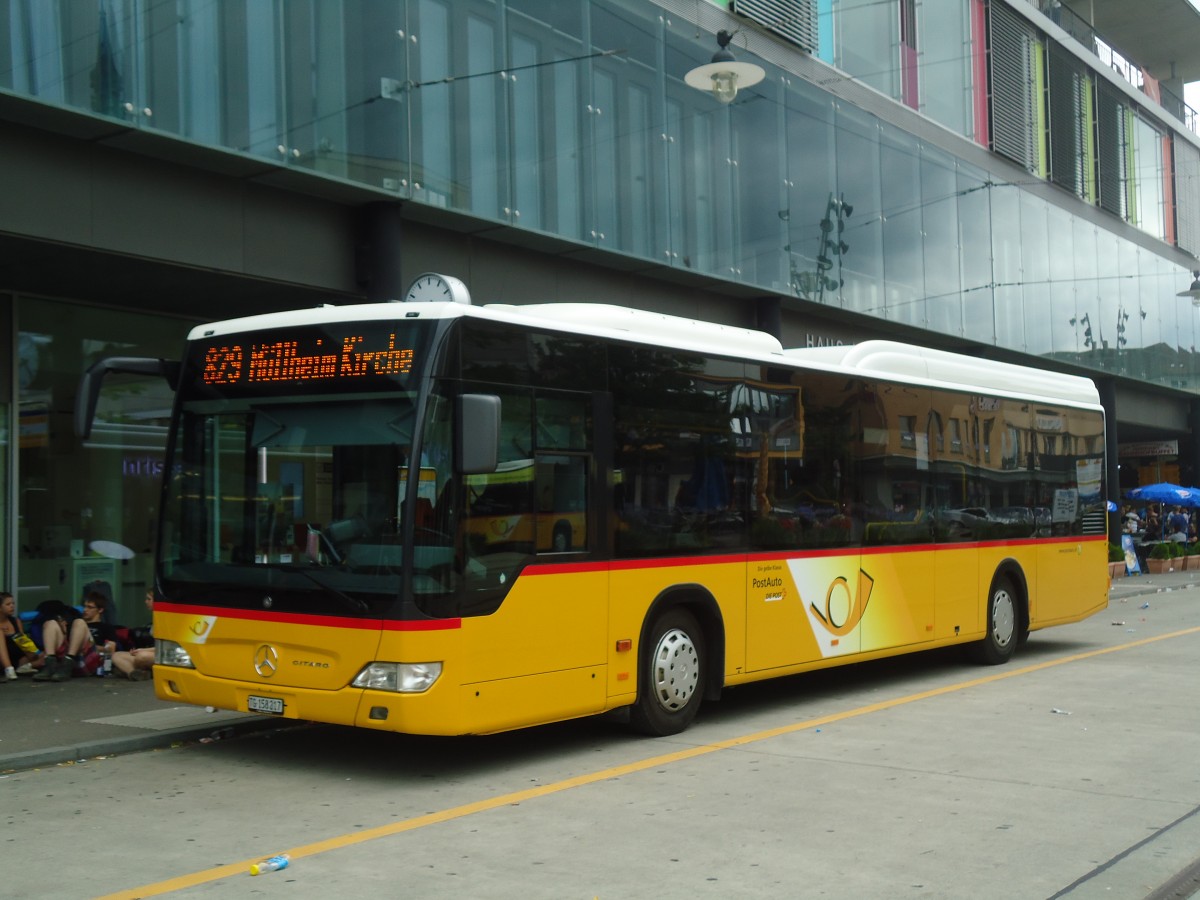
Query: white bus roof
{"points": [[908, 362], [887, 360]]}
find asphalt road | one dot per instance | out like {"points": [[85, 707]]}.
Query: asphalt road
{"points": [[1074, 771]]}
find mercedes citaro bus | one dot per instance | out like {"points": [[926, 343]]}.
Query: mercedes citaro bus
{"points": [[359, 510]]}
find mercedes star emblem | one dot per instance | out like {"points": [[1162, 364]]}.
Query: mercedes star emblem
{"points": [[266, 660]]}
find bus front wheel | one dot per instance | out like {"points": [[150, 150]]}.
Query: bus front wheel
{"points": [[1003, 624], [670, 675]]}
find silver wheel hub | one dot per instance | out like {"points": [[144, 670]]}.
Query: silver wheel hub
{"points": [[675, 670], [1004, 618]]}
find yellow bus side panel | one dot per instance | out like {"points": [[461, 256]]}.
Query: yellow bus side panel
{"points": [[532, 699], [1071, 582], [547, 623]]}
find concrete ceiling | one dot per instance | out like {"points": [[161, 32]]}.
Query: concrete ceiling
{"points": [[1154, 34]]}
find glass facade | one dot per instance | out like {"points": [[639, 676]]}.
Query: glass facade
{"points": [[7, 425], [86, 511], [572, 119]]}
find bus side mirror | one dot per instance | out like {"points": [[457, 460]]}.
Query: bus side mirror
{"points": [[478, 433], [88, 393]]}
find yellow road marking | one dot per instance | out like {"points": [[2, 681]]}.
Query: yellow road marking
{"points": [[516, 797]]}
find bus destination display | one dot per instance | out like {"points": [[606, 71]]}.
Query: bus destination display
{"points": [[298, 361]]}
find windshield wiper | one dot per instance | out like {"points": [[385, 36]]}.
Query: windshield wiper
{"points": [[356, 604]]}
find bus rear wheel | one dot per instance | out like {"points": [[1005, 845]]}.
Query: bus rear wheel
{"points": [[670, 675], [1003, 624]]}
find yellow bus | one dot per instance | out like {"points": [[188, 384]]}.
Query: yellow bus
{"points": [[738, 511]]}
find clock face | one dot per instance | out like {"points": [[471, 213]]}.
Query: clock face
{"points": [[434, 288]]}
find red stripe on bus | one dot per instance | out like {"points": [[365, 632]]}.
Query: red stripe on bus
{"points": [[307, 619], [666, 562]]}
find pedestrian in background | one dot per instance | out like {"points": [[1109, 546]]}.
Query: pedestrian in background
{"points": [[18, 652]]}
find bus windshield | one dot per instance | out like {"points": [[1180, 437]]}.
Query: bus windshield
{"points": [[286, 490], [302, 500]]}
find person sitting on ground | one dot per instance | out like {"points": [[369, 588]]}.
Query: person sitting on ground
{"points": [[137, 664], [74, 648], [19, 655]]}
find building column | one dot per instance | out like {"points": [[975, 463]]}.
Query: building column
{"points": [[377, 256]]}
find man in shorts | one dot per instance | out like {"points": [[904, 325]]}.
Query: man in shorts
{"points": [[73, 648]]}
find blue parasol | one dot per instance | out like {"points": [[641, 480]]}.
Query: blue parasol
{"points": [[1165, 492]]}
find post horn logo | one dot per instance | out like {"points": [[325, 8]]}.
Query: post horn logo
{"points": [[266, 660], [842, 611]]}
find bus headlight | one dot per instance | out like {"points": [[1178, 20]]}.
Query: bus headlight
{"points": [[169, 653], [402, 678]]}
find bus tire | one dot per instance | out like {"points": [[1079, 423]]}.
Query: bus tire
{"points": [[670, 675], [1003, 624]]}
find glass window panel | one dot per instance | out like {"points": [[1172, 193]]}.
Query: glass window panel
{"points": [[1006, 262], [567, 185], [699, 156], [681, 486], [811, 183], [316, 84], [802, 434], [36, 50], [6, 392], [1124, 321], [903, 261], [866, 40], [183, 65], [431, 105], [945, 44], [975, 258], [858, 184], [638, 186], [483, 183], [257, 60], [526, 134], [1047, 321], [604, 155], [106, 489], [759, 175], [674, 238], [939, 222], [376, 141], [1148, 179], [1037, 282], [1087, 297]]}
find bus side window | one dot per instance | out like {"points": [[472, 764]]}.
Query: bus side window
{"points": [[562, 503]]}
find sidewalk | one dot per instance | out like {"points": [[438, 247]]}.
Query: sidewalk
{"points": [[47, 723], [44, 723]]}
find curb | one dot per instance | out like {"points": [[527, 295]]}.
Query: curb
{"points": [[158, 740]]}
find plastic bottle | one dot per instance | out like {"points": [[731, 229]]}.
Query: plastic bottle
{"points": [[274, 864], [107, 667]]}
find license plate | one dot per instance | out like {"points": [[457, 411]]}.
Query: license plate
{"points": [[272, 705]]}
